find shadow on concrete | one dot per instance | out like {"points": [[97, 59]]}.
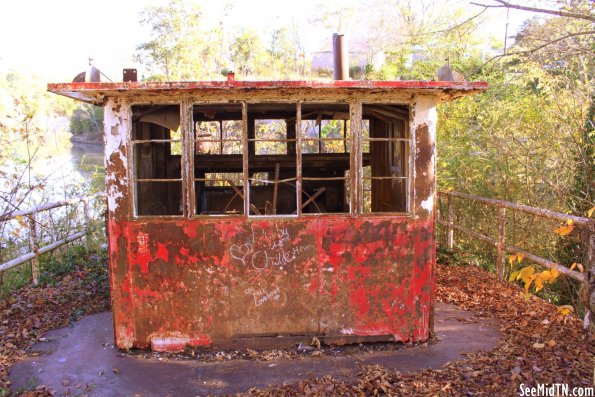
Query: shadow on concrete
{"points": [[80, 359]]}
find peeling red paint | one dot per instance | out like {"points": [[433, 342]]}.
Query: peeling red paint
{"points": [[187, 281], [162, 252], [349, 270]]}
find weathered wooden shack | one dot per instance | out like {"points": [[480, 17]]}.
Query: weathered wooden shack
{"points": [[246, 212]]}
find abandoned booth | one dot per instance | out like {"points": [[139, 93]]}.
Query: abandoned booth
{"points": [[246, 211]]}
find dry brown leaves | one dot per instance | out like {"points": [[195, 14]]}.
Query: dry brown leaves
{"points": [[30, 312], [538, 345]]}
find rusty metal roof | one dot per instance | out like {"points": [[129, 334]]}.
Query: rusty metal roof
{"points": [[97, 93]]}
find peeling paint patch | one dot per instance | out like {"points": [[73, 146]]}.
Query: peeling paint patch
{"points": [[169, 344], [428, 204]]}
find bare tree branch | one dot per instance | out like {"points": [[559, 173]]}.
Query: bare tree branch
{"points": [[458, 25], [532, 50], [588, 32], [560, 13]]}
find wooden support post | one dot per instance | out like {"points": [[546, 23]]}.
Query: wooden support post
{"points": [[87, 224], [34, 247], [500, 261], [450, 221]]}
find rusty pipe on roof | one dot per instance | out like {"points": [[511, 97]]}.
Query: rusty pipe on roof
{"points": [[340, 57]]}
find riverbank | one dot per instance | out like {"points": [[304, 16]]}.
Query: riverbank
{"points": [[88, 139]]}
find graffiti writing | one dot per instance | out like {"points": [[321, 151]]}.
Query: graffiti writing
{"points": [[268, 249], [262, 295]]}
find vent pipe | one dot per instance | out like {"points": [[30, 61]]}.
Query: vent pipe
{"points": [[340, 57]]}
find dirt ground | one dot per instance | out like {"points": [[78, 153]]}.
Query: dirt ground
{"points": [[538, 344]]}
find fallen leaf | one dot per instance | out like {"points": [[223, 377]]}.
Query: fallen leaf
{"points": [[577, 265], [315, 342], [551, 343], [117, 371], [565, 309], [566, 229]]}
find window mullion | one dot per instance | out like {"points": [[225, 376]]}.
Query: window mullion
{"points": [[298, 158], [187, 158], [356, 161], [245, 157]]}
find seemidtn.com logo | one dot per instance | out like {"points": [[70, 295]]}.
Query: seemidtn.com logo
{"points": [[555, 390]]}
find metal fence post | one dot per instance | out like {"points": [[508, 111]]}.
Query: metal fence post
{"points": [[500, 261], [588, 240], [34, 247], [87, 225], [450, 221]]}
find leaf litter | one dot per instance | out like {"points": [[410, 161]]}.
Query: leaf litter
{"points": [[539, 343]]}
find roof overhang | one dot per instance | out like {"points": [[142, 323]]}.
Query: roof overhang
{"points": [[99, 93]]}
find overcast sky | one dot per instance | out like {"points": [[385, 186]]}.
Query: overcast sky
{"points": [[53, 39]]}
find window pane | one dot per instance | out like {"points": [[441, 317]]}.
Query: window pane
{"points": [[155, 160], [332, 129], [273, 131], [310, 131], [272, 168], [218, 168], [325, 161], [159, 198], [155, 122], [385, 158], [207, 137], [220, 194], [232, 135]]}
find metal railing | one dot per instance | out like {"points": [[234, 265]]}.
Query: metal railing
{"points": [[586, 225], [35, 249]]}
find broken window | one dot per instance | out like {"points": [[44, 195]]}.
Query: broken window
{"points": [[386, 146], [156, 152], [245, 158], [325, 147], [218, 159], [272, 158]]}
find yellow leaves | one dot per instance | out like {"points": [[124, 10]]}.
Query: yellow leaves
{"points": [[513, 276], [578, 266], [565, 230], [590, 212], [528, 276], [518, 257], [20, 220], [564, 310]]}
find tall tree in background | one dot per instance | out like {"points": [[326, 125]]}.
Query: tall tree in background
{"points": [[179, 49], [247, 52]]}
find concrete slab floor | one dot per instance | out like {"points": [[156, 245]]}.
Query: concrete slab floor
{"points": [[83, 355]]}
